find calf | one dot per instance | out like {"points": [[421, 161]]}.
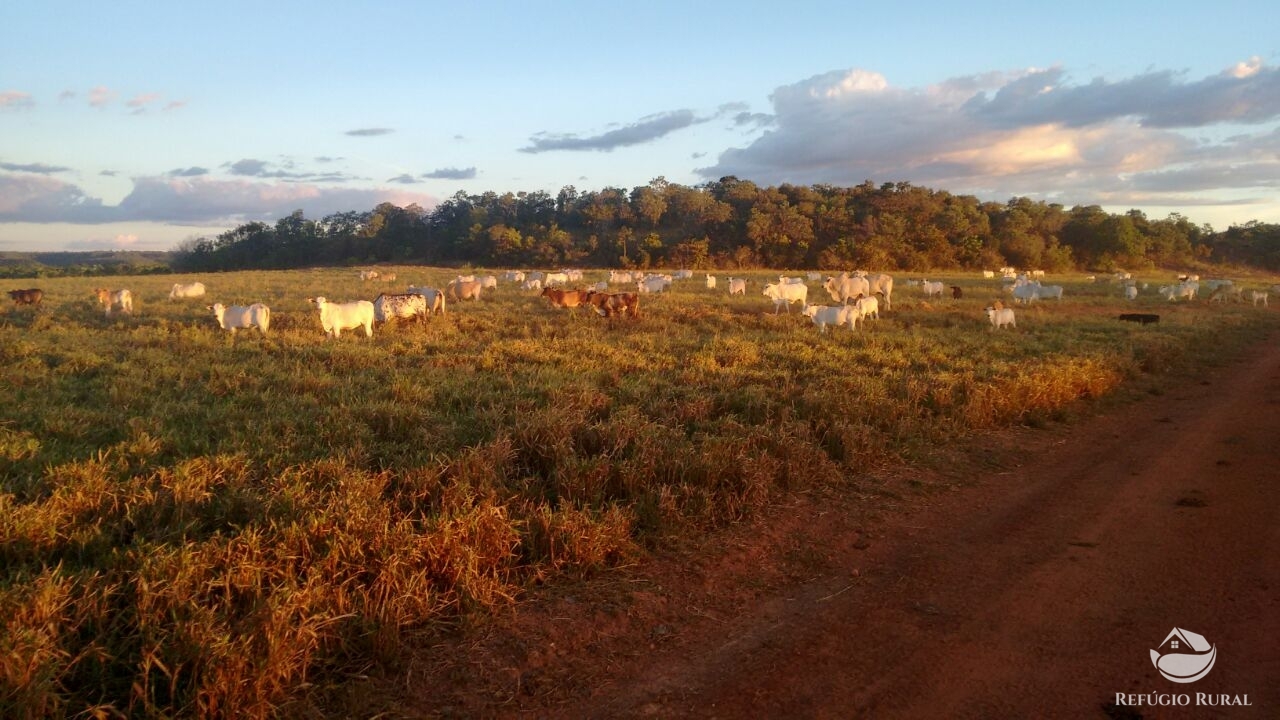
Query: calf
{"points": [[465, 289], [737, 286], [564, 298], [837, 315], [189, 290], [610, 304], [31, 296], [1000, 317], [112, 299], [234, 317]]}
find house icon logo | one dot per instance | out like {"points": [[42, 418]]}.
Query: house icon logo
{"points": [[1184, 656]]}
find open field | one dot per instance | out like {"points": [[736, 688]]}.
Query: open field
{"points": [[198, 524]]}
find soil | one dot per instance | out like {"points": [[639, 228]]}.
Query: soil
{"points": [[1031, 579]]}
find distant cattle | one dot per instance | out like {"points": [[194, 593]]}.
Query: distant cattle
{"points": [[737, 286], [410, 306], [234, 317], [188, 290], [31, 296], [112, 299], [564, 298], [610, 304], [956, 292]]}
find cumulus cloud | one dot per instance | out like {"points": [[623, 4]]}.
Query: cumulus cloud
{"points": [[452, 174], [369, 132], [1034, 132], [187, 201], [14, 99], [647, 129]]}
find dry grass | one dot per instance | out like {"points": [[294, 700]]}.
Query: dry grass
{"points": [[198, 525]]}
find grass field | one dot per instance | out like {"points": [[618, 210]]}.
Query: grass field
{"points": [[198, 524]]}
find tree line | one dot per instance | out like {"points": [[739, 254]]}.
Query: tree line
{"points": [[733, 223]]}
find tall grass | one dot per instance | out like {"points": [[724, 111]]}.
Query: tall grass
{"points": [[198, 524]]}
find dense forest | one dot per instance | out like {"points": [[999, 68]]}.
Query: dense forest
{"points": [[733, 223]]}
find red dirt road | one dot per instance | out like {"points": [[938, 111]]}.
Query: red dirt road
{"points": [[1036, 591]]}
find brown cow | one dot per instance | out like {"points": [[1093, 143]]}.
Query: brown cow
{"points": [[31, 296], [610, 304], [464, 290], [564, 298]]}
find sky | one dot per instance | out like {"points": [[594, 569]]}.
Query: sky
{"points": [[140, 125]]}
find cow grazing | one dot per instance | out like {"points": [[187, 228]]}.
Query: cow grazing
{"points": [[336, 317], [1001, 317], [368, 275], [435, 298], [785, 294], [652, 284], [737, 286], [465, 289], [564, 298], [931, 288], [1141, 318], [410, 306], [189, 290], [30, 296], [882, 285], [112, 299], [234, 317], [837, 315], [1258, 296], [610, 304]]}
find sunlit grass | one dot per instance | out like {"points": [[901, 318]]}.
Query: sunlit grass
{"points": [[195, 523]]}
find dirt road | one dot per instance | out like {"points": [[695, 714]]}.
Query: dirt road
{"points": [[1037, 590]]}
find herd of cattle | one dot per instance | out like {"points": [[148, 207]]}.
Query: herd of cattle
{"points": [[858, 296]]}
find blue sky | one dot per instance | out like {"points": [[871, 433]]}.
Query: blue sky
{"points": [[139, 124]]}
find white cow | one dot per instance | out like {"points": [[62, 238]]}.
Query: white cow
{"points": [[786, 293], [1185, 289], [1258, 295], [556, 277], [234, 317], [336, 317], [489, 282], [533, 284], [368, 275], [932, 288], [882, 284], [1130, 292], [435, 298], [867, 307], [711, 282], [652, 284], [845, 287], [824, 315], [189, 290], [1000, 317], [737, 286]]}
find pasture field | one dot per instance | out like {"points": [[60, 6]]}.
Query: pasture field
{"points": [[198, 524]]}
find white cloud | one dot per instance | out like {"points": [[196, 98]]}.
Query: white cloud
{"points": [[13, 99], [187, 201], [101, 96], [1034, 132]]}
